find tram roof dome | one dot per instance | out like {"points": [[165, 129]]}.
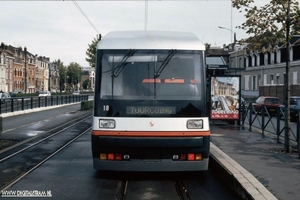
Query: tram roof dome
{"points": [[151, 40]]}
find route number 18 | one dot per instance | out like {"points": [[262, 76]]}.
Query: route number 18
{"points": [[105, 107]]}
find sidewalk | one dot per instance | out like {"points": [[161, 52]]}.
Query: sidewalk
{"points": [[263, 157]]}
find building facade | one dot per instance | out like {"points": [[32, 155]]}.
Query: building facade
{"points": [[18, 71], [53, 78], [88, 74], [22, 71], [6, 69], [265, 68]]}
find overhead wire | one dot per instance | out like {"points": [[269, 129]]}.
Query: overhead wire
{"points": [[86, 17], [146, 14]]}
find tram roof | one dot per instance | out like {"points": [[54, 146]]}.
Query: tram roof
{"points": [[150, 40]]}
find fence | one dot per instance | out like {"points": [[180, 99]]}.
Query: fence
{"points": [[25, 103], [263, 121]]}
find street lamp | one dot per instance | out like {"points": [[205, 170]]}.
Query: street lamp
{"points": [[234, 34], [25, 83], [234, 42], [67, 80]]}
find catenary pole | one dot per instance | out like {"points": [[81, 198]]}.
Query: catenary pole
{"points": [[287, 146]]}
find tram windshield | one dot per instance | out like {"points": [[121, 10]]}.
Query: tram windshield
{"points": [[149, 74]]}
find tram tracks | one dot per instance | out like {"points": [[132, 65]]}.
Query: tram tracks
{"points": [[18, 162], [180, 190]]}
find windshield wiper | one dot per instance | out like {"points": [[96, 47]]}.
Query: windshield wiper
{"points": [[164, 64], [123, 63]]}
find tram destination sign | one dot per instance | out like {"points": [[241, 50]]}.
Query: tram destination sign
{"points": [[151, 110]]}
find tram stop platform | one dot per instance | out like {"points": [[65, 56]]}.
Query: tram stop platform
{"points": [[255, 165]]}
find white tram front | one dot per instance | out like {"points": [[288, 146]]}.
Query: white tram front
{"points": [[150, 103]]}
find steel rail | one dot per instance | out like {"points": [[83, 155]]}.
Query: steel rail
{"points": [[20, 177]]}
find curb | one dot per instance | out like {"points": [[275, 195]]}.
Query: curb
{"points": [[242, 182]]}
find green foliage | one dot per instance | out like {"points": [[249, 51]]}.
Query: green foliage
{"points": [[86, 84], [62, 73], [91, 51], [267, 25], [207, 46], [87, 105], [73, 74], [296, 28]]}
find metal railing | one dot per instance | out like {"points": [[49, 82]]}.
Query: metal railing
{"points": [[25, 103], [265, 122]]}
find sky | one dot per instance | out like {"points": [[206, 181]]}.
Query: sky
{"points": [[64, 29]]}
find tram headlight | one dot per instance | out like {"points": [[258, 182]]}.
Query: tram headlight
{"points": [[107, 123], [195, 124]]}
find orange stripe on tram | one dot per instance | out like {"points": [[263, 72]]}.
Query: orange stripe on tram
{"points": [[150, 133], [151, 80]]}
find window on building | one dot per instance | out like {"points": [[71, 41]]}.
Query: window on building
{"points": [[296, 52], [272, 79], [277, 78], [246, 78], [265, 79], [250, 61], [254, 83], [261, 58], [283, 55], [295, 78]]}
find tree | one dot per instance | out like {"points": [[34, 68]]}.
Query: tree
{"points": [[91, 51], [267, 25], [62, 73], [296, 28], [74, 74], [86, 83], [270, 25], [207, 46]]}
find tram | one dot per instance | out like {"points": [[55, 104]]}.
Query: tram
{"points": [[150, 103]]}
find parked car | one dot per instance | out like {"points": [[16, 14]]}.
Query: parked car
{"points": [[76, 93], [45, 94], [5, 97], [243, 103], [18, 91], [270, 103], [294, 107]]}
